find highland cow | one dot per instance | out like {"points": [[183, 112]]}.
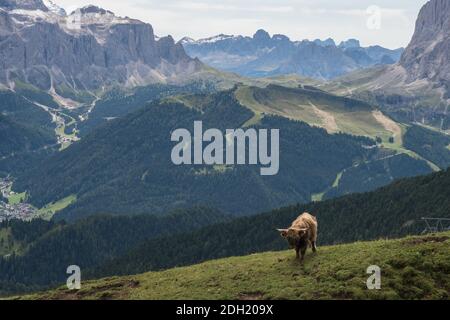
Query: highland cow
{"points": [[303, 232]]}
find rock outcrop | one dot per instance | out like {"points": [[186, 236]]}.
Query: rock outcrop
{"points": [[428, 54], [23, 4], [86, 50]]}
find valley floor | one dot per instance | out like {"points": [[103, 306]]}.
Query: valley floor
{"points": [[411, 268]]}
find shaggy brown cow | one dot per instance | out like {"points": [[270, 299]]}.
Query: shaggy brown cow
{"points": [[303, 232]]}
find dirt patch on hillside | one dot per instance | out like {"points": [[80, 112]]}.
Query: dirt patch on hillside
{"points": [[388, 124], [249, 296], [113, 290], [328, 120]]}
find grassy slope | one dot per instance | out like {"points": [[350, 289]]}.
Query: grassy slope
{"points": [[17, 198], [316, 108], [386, 80], [48, 211], [325, 110], [411, 268]]}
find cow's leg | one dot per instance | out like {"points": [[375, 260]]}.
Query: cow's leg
{"points": [[303, 251], [297, 255], [314, 248]]}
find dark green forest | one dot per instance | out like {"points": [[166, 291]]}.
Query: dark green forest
{"points": [[429, 144], [21, 110], [375, 174], [117, 103], [17, 138], [24, 130], [48, 248]]}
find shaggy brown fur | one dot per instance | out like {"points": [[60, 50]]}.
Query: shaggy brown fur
{"points": [[303, 232]]}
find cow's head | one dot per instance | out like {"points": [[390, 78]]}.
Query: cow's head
{"points": [[293, 235]]}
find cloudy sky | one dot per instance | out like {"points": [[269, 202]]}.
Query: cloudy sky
{"points": [[385, 22]]}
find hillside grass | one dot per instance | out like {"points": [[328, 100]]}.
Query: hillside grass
{"points": [[319, 196], [61, 133], [290, 80], [321, 110], [16, 198], [49, 210], [411, 268]]}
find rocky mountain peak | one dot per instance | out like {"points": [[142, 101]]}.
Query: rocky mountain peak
{"points": [[325, 43], [53, 7], [89, 49], [23, 4], [187, 40], [280, 37], [434, 16], [91, 9], [350, 43], [428, 54], [261, 35]]}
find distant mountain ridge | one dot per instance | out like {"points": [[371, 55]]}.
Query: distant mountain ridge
{"points": [[265, 55], [87, 49]]}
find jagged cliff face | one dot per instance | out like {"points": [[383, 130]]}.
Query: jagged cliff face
{"points": [[23, 4], [86, 50], [428, 54], [422, 74]]}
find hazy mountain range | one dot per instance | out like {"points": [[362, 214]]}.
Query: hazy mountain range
{"points": [[265, 55]]}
